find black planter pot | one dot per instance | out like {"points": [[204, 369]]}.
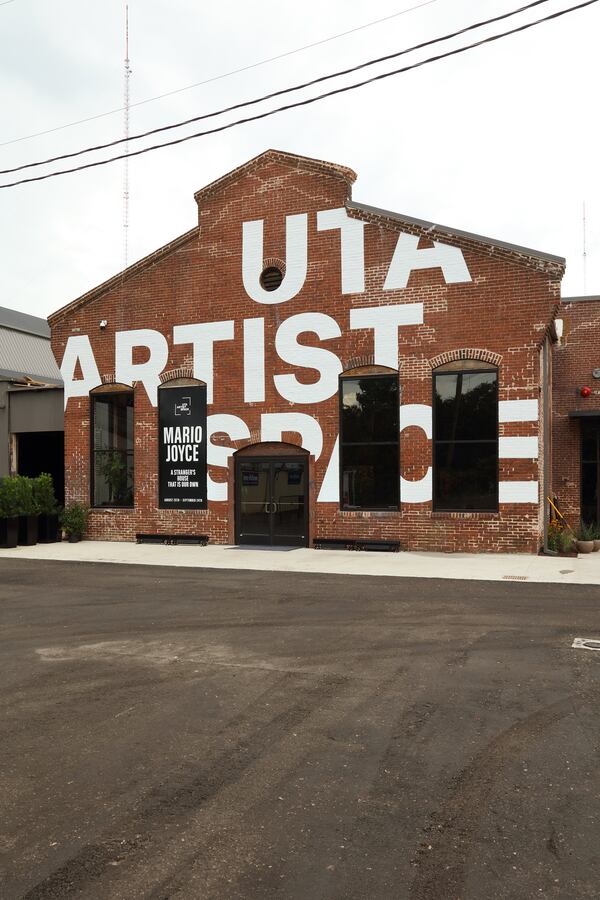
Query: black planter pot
{"points": [[48, 530], [9, 532], [74, 538], [28, 530]]}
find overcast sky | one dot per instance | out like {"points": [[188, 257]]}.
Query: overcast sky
{"points": [[502, 140]]}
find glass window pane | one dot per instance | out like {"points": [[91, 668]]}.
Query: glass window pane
{"points": [[370, 409], [466, 476], [113, 450], [370, 477], [466, 406]]}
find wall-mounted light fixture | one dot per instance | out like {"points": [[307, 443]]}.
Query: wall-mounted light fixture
{"points": [[103, 323], [559, 326]]}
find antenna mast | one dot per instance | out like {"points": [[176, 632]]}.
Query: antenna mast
{"points": [[584, 255], [127, 75]]}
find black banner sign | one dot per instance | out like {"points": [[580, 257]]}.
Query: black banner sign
{"points": [[182, 447]]}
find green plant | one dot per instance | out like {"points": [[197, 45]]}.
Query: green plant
{"points": [[43, 492], [114, 469], [73, 518], [9, 498], [554, 533], [566, 540], [27, 503], [585, 532]]}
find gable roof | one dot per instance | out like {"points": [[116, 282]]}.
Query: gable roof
{"points": [[514, 253], [294, 160], [477, 242]]}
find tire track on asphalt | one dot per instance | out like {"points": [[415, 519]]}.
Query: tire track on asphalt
{"points": [[442, 870], [179, 797], [229, 846]]}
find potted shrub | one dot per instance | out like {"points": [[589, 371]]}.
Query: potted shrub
{"points": [[585, 538], [561, 540], [566, 542], [596, 536], [28, 513], [43, 492], [9, 513], [73, 520]]}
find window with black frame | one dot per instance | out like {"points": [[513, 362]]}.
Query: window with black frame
{"points": [[112, 449], [369, 442], [465, 440]]}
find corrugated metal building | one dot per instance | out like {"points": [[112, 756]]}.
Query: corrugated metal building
{"points": [[31, 400]]}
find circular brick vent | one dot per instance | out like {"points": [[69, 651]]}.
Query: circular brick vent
{"points": [[271, 278]]}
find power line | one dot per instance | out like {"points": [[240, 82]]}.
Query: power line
{"points": [[6, 2], [255, 65], [278, 93], [310, 100]]}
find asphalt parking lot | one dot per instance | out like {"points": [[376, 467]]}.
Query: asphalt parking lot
{"points": [[186, 733]]}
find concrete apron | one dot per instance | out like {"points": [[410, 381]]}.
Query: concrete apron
{"points": [[585, 569]]}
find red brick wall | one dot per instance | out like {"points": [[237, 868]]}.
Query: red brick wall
{"points": [[503, 313], [574, 359]]}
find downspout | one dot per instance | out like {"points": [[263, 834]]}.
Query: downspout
{"points": [[546, 442]]}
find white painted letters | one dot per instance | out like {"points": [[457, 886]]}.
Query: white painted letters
{"points": [[421, 490], [296, 259], [254, 361], [147, 372], [273, 425], [217, 454], [79, 349], [407, 258], [385, 321], [202, 336], [352, 233], [324, 361]]}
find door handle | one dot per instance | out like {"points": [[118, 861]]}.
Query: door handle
{"points": [[275, 507], [267, 507]]}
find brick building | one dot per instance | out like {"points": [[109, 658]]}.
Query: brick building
{"points": [[301, 368], [576, 410]]}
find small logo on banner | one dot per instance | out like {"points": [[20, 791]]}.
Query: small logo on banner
{"points": [[184, 408]]}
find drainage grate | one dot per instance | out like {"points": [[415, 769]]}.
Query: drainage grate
{"points": [[586, 644], [515, 577]]}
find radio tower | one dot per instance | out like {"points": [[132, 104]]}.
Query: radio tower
{"points": [[584, 255], [127, 74]]}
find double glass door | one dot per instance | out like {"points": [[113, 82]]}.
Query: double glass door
{"points": [[271, 501]]}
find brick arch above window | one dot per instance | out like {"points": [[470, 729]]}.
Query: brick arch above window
{"points": [[110, 386], [181, 372], [466, 354]]}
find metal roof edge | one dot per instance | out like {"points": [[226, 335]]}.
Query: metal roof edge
{"points": [[585, 299], [44, 380], [456, 232], [14, 320]]}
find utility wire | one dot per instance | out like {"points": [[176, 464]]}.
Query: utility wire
{"points": [[335, 91], [279, 93], [189, 87]]}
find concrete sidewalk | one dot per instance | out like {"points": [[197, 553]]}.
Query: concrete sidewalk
{"points": [[477, 567]]}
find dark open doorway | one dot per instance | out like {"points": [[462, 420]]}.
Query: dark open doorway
{"points": [[590, 470], [43, 451]]}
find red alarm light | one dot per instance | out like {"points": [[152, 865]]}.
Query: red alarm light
{"points": [[585, 391]]}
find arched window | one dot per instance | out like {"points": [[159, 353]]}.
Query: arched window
{"points": [[465, 437], [369, 438], [112, 445]]}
